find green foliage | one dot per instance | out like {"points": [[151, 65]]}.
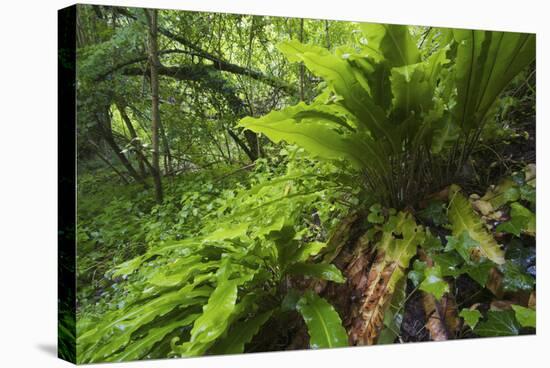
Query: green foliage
{"points": [[433, 282], [209, 288], [464, 220], [463, 244], [526, 317], [436, 212], [385, 133], [471, 317], [321, 271], [393, 317], [236, 250], [416, 275], [514, 278], [498, 323], [323, 323], [522, 221], [375, 214]]}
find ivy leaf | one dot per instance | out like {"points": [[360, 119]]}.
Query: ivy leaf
{"points": [[514, 226], [499, 323], [514, 278], [505, 192], [375, 216], [416, 275], [526, 317], [471, 316], [433, 282], [523, 257], [431, 243], [528, 193], [463, 244], [435, 212], [323, 322], [479, 272], [522, 220], [448, 262]]}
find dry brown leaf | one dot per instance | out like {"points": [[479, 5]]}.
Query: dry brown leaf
{"points": [[484, 207], [494, 283]]}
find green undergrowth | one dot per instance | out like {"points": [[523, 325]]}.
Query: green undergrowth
{"points": [[208, 244]]}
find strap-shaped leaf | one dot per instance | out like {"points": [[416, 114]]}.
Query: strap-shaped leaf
{"points": [[338, 73], [320, 137], [241, 334], [485, 63], [323, 322], [413, 85], [121, 324], [139, 348], [215, 317], [400, 239], [391, 43], [464, 219]]}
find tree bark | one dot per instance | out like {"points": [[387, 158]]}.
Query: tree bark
{"points": [[155, 112], [107, 134], [106, 160], [133, 135], [166, 148], [302, 71]]}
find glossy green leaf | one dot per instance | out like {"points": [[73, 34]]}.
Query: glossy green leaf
{"points": [[498, 323], [323, 322], [463, 244], [526, 317], [471, 317], [416, 275], [433, 282], [479, 272], [435, 212], [485, 63], [522, 220], [308, 250], [514, 278], [391, 43], [139, 348], [320, 137], [241, 334]]}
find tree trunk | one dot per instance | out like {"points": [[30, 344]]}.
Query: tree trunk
{"points": [[302, 71], [122, 109], [155, 118], [106, 160], [327, 34], [242, 145], [166, 148], [107, 134]]}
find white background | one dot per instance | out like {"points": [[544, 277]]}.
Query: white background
{"points": [[28, 181]]}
